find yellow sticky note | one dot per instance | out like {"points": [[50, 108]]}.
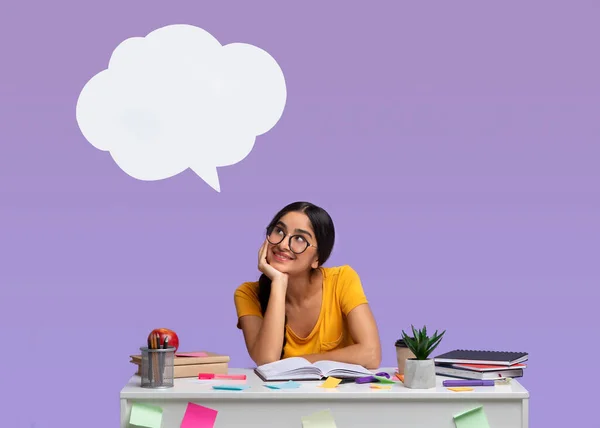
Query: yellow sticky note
{"points": [[322, 419], [461, 388], [375, 386], [331, 382]]}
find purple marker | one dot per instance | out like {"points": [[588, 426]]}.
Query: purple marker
{"points": [[365, 379], [369, 379], [468, 382]]}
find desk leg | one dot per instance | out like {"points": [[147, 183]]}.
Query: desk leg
{"points": [[124, 413], [525, 422]]}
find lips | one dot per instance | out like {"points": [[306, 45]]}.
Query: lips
{"points": [[282, 257]]}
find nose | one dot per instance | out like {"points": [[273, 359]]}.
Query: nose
{"points": [[284, 245]]}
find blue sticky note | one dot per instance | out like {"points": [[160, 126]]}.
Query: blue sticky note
{"points": [[290, 384], [231, 387]]}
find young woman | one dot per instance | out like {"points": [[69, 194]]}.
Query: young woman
{"points": [[300, 308]]}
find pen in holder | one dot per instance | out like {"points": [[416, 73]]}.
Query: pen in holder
{"points": [[157, 367]]}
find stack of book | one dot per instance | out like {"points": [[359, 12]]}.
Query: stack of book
{"points": [[190, 364], [481, 365]]}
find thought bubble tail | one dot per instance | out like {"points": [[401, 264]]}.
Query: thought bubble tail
{"points": [[210, 175]]}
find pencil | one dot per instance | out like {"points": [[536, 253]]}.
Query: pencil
{"points": [[161, 361], [159, 357], [163, 357], [150, 368], [151, 356], [154, 358]]}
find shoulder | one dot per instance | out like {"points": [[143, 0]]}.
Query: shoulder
{"points": [[341, 278], [246, 300], [337, 273], [247, 289], [345, 284]]}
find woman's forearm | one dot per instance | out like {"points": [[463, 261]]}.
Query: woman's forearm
{"points": [[368, 356], [269, 340]]}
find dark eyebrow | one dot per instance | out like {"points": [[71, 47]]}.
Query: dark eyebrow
{"points": [[303, 231], [297, 230]]}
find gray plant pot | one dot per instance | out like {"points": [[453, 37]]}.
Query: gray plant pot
{"points": [[419, 374]]}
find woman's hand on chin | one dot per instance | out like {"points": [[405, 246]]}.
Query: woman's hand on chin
{"points": [[266, 268]]}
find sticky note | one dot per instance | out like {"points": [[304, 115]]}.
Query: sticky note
{"points": [[322, 419], [461, 388], [331, 382], [474, 418], [191, 354], [145, 415], [231, 387], [376, 386], [383, 379], [290, 384], [197, 416]]}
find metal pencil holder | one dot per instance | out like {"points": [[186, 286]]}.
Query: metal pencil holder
{"points": [[158, 367]]}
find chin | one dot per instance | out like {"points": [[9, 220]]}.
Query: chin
{"points": [[283, 267]]}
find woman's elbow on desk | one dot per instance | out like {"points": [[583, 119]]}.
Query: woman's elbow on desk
{"points": [[261, 361], [368, 356], [372, 357], [263, 358]]}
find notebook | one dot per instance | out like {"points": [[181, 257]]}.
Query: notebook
{"points": [[487, 367], [298, 368], [470, 374], [502, 358]]}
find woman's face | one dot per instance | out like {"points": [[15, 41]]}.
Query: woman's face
{"points": [[297, 226]]}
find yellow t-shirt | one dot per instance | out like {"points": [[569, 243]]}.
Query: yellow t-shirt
{"points": [[342, 292]]}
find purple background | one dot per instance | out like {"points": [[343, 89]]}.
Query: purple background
{"points": [[455, 146]]}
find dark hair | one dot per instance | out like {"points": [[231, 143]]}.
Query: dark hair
{"points": [[322, 225]]}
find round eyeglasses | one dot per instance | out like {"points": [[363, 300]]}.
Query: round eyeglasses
{"points": [[297, 243]]}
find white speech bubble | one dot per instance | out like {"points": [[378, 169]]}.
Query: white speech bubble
{"points": [[178, 99]]}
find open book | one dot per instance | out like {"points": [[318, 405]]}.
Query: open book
{"points": [[298, 368]]}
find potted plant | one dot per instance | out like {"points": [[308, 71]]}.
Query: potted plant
{"points": [[419, 372]]}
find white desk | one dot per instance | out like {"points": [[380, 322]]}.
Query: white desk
{"points": [[352, 405]]}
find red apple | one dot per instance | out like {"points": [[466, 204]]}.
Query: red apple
{"points": [[162, 334]]}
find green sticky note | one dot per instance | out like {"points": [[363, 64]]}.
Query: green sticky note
{"points": [[474, 418], [145, 415], [322, 419], [383, 379]]}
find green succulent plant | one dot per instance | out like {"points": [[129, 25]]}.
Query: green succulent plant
{"points": [[420, 343]]}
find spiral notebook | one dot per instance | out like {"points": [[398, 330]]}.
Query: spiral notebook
{"points": [[471, 356]]}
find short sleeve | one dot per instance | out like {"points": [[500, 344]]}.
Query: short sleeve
{"points": [[349, 289], [246, 300]]}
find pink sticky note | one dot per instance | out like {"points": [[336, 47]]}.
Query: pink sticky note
{"points": [[191, 354], [197, 416]]}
